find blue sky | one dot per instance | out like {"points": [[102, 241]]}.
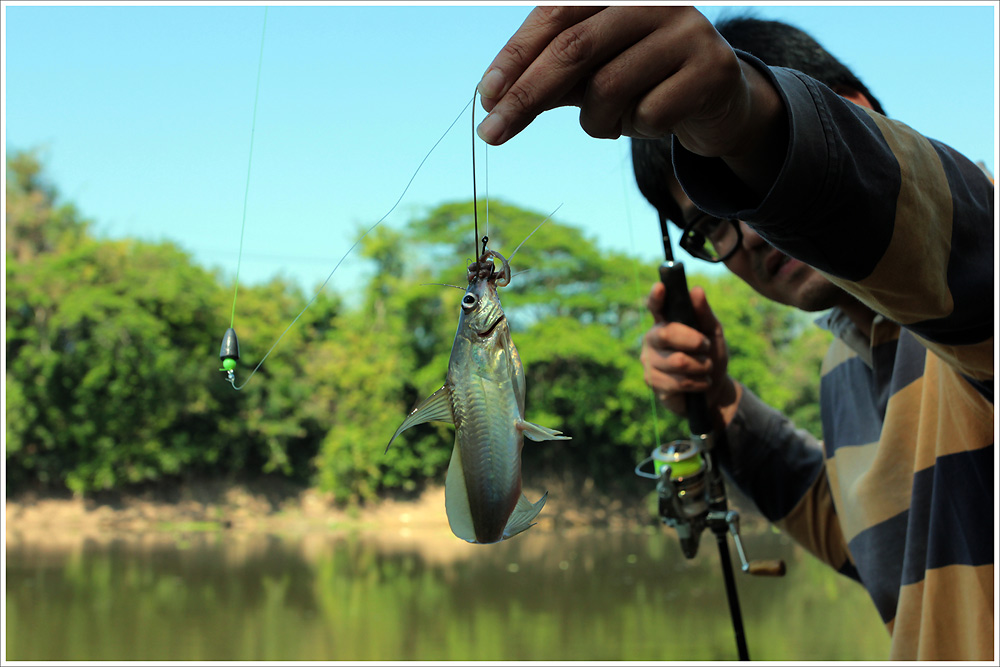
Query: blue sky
{"points": [[142, 115]]}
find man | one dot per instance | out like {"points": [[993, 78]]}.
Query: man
{"points": [[839, 208]]}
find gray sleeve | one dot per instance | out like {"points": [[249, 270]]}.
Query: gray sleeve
{"points": [[768, 458]]}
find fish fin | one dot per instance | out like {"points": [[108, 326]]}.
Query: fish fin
{"points": [[456, 500], [434, 408], [522, 516], [539, 433]]}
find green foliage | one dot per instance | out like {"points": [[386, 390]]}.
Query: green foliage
{"points": [[108, 389], [366, 373], [112, 374], [112, 356]]}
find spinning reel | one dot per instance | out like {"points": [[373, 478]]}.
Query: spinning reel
{"points": [[691, 498], [689, 484]]}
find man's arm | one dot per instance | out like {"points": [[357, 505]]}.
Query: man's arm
{"points": [[902, 222]]}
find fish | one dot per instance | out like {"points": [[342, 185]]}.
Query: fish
{"points": [[483, 396]]}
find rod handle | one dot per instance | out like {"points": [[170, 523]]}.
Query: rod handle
{"points": [[677, 308]]}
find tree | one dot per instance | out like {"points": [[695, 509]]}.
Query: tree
{"points": [[112, 374], [112, 357]]}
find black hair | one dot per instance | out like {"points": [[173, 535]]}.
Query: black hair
{"points": [[651, 162], [781, 45], [775, 43]]}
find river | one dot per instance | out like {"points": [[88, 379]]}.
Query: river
{"points": [[383, 595]]}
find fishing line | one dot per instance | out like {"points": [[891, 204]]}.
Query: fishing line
{"points": [[229, 345], [638, 288], [486, 177], [246, 190], [547, 218], [486, 187], [475, 204]]}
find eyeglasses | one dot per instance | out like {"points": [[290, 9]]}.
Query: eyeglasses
{"points": [[711, 239]]}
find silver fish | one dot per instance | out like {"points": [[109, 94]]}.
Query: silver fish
{"points": [[483, 396]]}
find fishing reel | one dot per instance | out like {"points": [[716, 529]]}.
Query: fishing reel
{"points": [[691, 498]]}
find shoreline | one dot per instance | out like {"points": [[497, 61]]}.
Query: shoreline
{"points": [[279, 507]]}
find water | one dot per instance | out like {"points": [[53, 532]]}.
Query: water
{"points": [[386, 595]]}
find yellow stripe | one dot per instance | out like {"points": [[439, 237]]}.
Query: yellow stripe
{"points": [[876, 479], [935, 415], [813, 523], [836, 354], [947, 616], [875, 483], [916, 261], [953, 417]]}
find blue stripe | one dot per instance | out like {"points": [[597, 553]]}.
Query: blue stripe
{"points": [[909, 359], [951, 517], [950, 522], [858, 161], [848, 408], [853, 404], [971, 264], [851, 195], [942, 330], [879, 552]]}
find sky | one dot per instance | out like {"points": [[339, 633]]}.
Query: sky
{"points": [[142, 116]]}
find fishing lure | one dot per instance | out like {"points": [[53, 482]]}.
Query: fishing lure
{"points": [[229, 352], [483, 396]]}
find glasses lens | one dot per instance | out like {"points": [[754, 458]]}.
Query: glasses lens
{"points": [[711, 239]]}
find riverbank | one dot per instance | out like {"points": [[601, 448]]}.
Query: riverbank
{"points": [[279, 507]]}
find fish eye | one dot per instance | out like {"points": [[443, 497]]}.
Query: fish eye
{"points": [[469, 301]]}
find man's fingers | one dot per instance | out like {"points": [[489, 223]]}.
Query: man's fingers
{"points": [[667, 385], [534, 35], [655, 48], [654, 302], [529, 81], [670, 336], [708, 323], [636, 71]]}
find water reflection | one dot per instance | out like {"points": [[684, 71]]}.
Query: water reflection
{"points": [[603, 595]]}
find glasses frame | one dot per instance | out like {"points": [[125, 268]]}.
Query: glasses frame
{"points": [[698, 252]]}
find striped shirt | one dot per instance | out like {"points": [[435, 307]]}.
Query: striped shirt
{"points": [[899, 495]]}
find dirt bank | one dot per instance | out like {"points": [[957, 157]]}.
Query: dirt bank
{"points": [[271, 506]]}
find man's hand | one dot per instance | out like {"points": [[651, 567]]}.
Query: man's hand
{"points": [[678, 359], [644, 72]]}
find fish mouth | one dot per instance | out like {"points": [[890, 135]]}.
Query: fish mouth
{"points": [[489, 332]]}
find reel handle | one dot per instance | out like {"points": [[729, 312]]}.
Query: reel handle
{"points": [[677, 308], [766, 568]]}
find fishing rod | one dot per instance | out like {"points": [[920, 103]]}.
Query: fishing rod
{"points": [[689, 484]]}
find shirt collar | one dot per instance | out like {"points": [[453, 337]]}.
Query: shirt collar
{"points": [[840, 325]]}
